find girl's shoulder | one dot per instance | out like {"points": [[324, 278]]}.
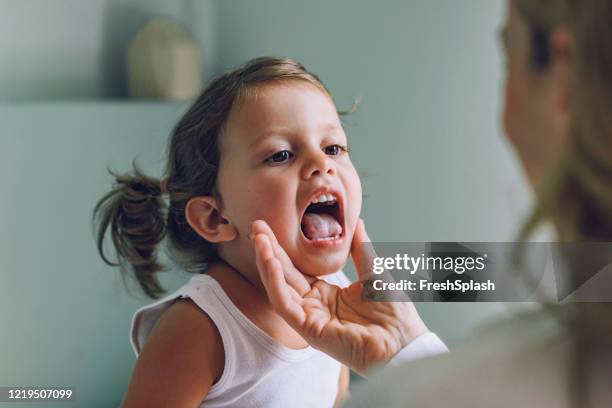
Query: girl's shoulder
{"points": [[184, 331], [147, 317], [182, 356]]}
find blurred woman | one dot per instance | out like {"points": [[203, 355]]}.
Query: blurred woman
{"points": [[558, 116]]}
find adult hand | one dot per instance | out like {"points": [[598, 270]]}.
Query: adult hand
{"points": [[360, 334]]}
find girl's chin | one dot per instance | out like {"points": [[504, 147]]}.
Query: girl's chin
{"points": [[322, 266], [319, 273]]}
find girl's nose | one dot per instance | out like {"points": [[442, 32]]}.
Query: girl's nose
{"points": [[317, 164]]}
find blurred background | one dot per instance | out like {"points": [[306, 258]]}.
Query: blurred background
{"points": [[426, 137]]}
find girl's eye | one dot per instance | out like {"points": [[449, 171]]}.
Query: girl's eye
{"points": [[280, 157], [335, 150]]}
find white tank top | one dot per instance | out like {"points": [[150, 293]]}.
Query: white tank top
{"points": [[258, 371]]}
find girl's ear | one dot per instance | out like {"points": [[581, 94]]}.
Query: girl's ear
{"points": [[203, 215]]}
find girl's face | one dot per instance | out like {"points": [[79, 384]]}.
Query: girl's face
{"points": [[282, 149]]}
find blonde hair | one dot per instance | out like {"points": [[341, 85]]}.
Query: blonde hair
{"points": [[576, 193]]}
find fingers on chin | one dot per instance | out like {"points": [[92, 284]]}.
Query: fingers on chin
{"points": [[264, 247], [262, 227], [260, 241], [257, 226]]}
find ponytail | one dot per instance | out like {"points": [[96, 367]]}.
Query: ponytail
{"points": [[136, 215]]}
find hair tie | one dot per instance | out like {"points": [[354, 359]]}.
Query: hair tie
{"points": [[163, 185]]}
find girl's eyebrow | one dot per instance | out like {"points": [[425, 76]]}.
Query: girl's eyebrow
{"points": [[327, 127], [271, 132], [331, 126]]}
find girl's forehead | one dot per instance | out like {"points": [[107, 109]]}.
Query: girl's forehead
{"points": [[280, 109], [274, 96], [253, 91]]}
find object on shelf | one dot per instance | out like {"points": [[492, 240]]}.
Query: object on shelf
{"points": [[164, 62]]}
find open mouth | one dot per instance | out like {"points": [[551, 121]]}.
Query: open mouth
{"points": [[323, 219]]}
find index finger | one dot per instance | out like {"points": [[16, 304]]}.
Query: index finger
{"points": [[286, 301], [294, 277], [362, 252]]}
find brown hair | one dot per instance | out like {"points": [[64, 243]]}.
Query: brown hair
{"points": [[134, 210], [576, 194]]}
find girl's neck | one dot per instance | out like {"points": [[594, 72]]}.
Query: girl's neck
{"points": [[234, 281], [250, 298]]}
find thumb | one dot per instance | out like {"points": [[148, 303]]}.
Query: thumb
{"points": [[362, 252]]}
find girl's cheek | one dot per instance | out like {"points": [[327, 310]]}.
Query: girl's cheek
{"points": [[269, 206]]}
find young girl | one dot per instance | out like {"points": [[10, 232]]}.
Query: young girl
{"points": [[263, 142]]}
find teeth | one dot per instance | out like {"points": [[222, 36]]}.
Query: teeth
{"points": [[328, 238], [324, 198]]}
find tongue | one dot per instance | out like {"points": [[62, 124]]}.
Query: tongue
{"points": [[317, 226]]}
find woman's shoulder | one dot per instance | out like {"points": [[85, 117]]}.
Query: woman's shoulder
{"points": [[507, 364]]}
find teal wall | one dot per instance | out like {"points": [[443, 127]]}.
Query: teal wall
{"points": [[426, 135], [65, 315], [66, 49]]}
